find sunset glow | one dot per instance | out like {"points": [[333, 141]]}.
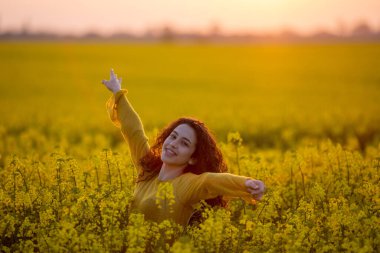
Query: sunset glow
{"points": [[76, 16]]}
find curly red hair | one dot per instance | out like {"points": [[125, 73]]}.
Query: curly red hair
{"points": [[208, 156]]}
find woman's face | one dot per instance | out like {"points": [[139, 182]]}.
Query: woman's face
{"points": [[179, 146]]}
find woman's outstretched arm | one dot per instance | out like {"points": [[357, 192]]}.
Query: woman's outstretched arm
{"points": [[210, 185], [125, 117]]}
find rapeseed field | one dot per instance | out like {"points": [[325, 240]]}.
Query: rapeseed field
{"points": [[304, 118]]}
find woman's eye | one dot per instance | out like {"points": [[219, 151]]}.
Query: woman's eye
{"points": [[185, 143]]}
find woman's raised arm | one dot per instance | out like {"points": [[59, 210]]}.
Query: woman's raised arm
{"points": [[125, 117]]}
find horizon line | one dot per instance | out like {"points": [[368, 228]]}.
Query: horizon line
{"points": [[213, 28]]}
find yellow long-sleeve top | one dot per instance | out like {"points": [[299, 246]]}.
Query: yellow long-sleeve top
{"points": [[175, 198]]}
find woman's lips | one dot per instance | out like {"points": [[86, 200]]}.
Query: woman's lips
{"points": [[170, 152]]}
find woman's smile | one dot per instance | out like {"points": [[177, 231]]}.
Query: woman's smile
{"points": [[179, 146], [170, 152]]}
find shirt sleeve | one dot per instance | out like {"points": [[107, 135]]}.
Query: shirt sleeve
{"points": [[210, 185], [125, 117]]}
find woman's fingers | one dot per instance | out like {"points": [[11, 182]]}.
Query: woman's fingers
{"points": [[113, 77], [255, 188], [114, 84], [254, 184], [112, 74], [255, 191], [106, 83], [256, 194]]}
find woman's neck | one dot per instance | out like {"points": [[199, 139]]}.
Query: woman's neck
{"points": [[168, 172]]}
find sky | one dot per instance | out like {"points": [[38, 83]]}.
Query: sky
{"points": [[110, 16]]}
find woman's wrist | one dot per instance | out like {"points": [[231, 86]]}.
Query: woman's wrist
{"points": [[116, 91]]}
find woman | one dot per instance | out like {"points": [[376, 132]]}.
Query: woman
{"points": [[185, 157]]}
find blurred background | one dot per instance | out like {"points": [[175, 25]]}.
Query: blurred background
{"points": [[283, 73], [249, 20]]}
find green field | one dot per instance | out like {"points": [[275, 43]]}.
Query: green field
{"points": [[308, 114], [266, 92]]}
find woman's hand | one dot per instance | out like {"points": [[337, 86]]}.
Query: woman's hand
{"points": [[256, 188], [114, 84]]}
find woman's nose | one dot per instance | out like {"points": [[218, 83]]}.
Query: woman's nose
{"points": [[174, 143]]}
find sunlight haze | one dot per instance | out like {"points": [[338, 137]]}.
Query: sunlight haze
{"points": [[77, 16]]}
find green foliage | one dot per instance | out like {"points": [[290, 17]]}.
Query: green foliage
{"points": [[304, 119], [274, 95], [319, 198]]}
